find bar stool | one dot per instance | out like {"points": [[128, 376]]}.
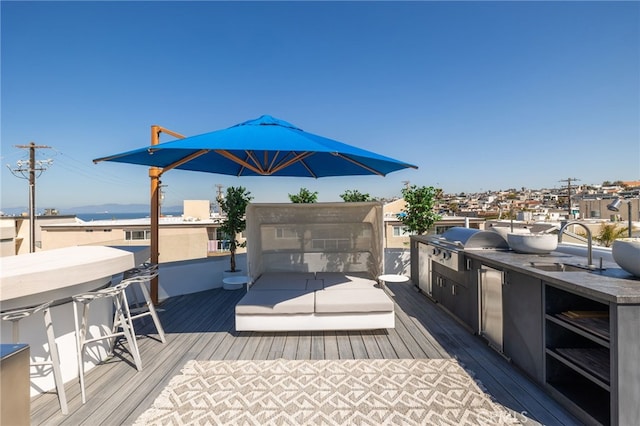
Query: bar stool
{"points": [[18, 314], [141, 309], [122, 320]]}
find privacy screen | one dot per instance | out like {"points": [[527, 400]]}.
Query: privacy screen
{"points": [[317, 237]]}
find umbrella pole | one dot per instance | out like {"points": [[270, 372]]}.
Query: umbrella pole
{"points": [[154, 174]]}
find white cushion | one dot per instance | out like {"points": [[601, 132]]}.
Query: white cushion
{"points": [[276, 302], [342, 281], [283, 281], [353, 300]]}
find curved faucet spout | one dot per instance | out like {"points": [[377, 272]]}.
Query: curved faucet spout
{"points": [[589, 240]]}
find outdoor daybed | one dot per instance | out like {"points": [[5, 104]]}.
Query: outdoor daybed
{"points": [[313, 267], [307, 301]]}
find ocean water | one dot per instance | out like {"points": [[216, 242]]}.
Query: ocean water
{"points": [[88, 217]]}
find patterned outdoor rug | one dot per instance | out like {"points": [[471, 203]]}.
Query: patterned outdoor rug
{"points": [[327, 392]]}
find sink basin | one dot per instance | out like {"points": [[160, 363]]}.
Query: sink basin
{"points": [[559, 267], [626, 252], [532, 243]]}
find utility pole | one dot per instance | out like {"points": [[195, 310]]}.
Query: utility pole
{"points": [[219, 195], [569, 180], [31, 167]]}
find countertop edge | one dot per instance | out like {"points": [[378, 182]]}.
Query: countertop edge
{"points": [[607, 288]]}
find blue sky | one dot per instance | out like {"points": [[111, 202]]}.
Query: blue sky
{"points": [[479, 95]]}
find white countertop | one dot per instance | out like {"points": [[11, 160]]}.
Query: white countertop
{"points": [[43, 271]]}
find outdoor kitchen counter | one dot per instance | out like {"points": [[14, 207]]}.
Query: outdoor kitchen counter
{"points": [[613, 284]]}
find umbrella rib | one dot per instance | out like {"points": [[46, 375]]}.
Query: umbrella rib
{"points": [[273, 161], [311, 172], [252, 155], [184, 160], [358, 163], [230, 156], [295, 159]]}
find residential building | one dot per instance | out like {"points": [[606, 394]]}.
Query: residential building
{"points": [[195, 235], [15, 232]]}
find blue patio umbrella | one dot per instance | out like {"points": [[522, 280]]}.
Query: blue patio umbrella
{"points": [[262, 147], [266, 146]]}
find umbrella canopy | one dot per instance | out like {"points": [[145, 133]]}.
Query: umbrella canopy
{"points": [[266, 146], [263, 147]]}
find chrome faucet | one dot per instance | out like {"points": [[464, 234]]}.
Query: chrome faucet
{"points": [[589, 240]]}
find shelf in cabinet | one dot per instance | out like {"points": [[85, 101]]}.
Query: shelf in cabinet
{"points": [[592, 363], [582, 400], [596, 329]]}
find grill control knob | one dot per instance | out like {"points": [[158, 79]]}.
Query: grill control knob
{"points": [[446, 255], [436, 251]]}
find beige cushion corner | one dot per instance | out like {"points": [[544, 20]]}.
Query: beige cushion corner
{"points": [[353, 300], [276, 302]]}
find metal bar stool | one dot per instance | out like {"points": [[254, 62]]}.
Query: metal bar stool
{"points": [[141, 309], [15, 316], [122, 320]]}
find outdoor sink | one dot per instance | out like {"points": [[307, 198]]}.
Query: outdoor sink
{"points": [[559, 267]]}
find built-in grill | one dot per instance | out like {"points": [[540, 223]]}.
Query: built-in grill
{"points": [[446, 248]]}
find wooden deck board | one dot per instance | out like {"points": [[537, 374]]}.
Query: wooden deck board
{"points": [[357, 346], [344, 345], [277, 346], [304, 345], [290, 346], [201, 326], [331, 345], [371, 345]]}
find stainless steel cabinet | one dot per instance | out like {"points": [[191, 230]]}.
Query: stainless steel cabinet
{"points": [[424, 269], [523, 320], [491, 325]]}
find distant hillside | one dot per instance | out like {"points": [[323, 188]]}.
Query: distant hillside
{"points": [[117, 208], [107, 208]]}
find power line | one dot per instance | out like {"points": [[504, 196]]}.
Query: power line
{"points": [[30, 170]]}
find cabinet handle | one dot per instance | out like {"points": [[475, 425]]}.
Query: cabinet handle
{"points": [[453, 289]]}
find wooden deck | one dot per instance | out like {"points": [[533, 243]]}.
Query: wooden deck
{"points": [[201, 326]]}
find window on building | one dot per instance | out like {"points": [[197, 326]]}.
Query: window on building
{"points": [[401, 231], [286, 233], [331, 244], [137, 235]]}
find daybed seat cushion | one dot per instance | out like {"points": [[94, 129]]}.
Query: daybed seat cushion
{"points": [[276, 302], [342, 281], [283, 281], [353, 300]]}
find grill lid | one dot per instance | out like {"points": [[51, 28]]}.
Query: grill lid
{"points": [[469, 238]]}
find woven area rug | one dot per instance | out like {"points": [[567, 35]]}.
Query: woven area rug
{"points": [[325, 392]]}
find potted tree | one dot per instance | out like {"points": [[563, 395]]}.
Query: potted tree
{"points": [[419, 213], [233, 205]]}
